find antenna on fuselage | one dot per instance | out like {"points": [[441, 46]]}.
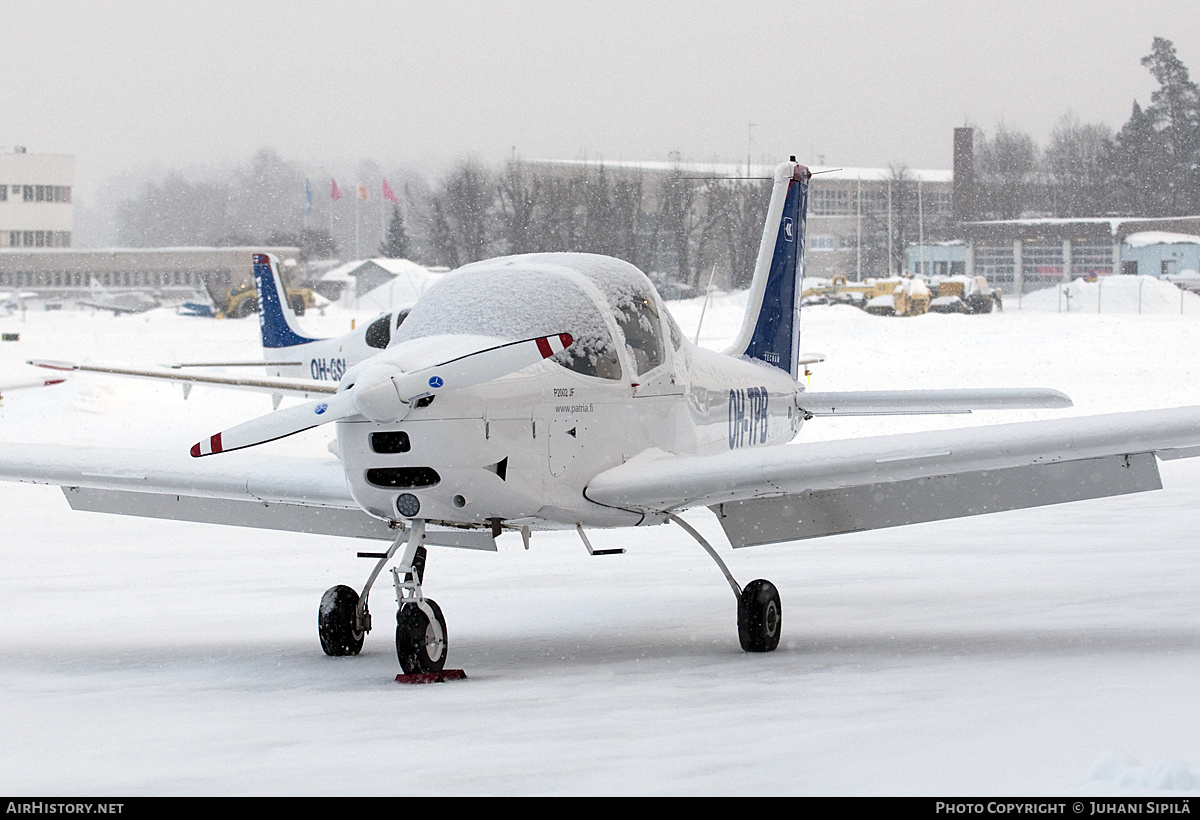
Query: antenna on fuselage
{"points": [[704, 307]]}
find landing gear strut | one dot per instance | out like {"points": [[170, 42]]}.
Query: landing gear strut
{"points": [[421, 640], [421, 643], [759, 612]]}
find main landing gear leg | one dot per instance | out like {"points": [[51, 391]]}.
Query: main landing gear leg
{"points": [[421, 639], [343, 619], [760, 614]]}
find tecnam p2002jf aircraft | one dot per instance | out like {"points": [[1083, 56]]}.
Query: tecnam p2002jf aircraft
{"points": [[297, 365], [554, 391]]}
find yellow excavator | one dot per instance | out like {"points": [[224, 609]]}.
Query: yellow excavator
{"points": [[243, 301]]}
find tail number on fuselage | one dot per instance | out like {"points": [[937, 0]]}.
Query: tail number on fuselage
{"points": [[747, 417], [327, 369]]}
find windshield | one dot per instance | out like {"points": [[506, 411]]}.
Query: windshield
{"points": [[510, 303]]}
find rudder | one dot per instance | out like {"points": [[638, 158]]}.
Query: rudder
{"points": [[771, 327], [276, 323]]}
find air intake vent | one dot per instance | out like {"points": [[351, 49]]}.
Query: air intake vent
{"points": [[406, 477], [394, 441]]}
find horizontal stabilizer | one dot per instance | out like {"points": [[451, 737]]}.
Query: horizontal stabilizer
{"points": [[912, 402], [304, 388]]}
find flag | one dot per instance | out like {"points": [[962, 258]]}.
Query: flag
{"points": [[389, 194], [307, 196], [362, 193], [335, 193]]}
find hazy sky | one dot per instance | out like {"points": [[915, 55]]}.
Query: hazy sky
{"points": [[125, 85]]}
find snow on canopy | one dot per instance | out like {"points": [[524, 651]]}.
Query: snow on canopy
{"points": [[518, 297]]}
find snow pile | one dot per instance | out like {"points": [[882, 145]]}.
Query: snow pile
{"points": [[410, 282], [1118, 769], [1112, 294]]}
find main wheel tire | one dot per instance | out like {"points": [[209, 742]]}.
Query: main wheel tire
{"points": [[335, 622], [760, 617], [420, 644]]}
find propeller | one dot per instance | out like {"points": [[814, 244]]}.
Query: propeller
{"points": [[383, 394]]}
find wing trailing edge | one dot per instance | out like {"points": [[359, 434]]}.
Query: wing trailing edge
{"points": [[785, 493]]}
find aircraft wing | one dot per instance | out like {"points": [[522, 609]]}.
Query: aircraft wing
{"points": [[296, 494], [821, 488], [305, 388], [306, 495]]}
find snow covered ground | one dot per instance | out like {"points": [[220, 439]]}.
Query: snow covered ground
{"points": [[1049, 651]]}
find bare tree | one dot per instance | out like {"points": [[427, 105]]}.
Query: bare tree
{"points": [[1007, 168], [1076, 168], [461, 213]]}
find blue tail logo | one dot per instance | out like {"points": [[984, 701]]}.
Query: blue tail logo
{"points": [[276, 324]]}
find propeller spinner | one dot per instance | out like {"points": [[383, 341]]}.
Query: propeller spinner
{"points": [[384, 395]]}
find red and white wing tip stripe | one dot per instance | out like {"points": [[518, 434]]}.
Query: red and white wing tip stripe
{"points": [[549, 345], [207, 448]]}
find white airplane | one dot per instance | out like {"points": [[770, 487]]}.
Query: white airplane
{"points": [[119, 302], [296, 364], [12, 301], [554, 391]]}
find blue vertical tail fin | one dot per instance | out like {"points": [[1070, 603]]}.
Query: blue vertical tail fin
{"points": [[771, 327], [275, 316]]}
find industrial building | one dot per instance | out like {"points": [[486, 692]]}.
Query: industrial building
{"points": [[169, 273], [1023, 255], [35, 199], [847, 207]]}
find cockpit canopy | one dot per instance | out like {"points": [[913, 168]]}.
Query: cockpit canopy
{"points": [[519, 297]]}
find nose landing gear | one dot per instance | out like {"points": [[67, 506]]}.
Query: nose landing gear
{"points": [[421, 637]]}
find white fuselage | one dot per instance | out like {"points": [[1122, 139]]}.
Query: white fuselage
{"points": [[327, 360], [523, 448]]}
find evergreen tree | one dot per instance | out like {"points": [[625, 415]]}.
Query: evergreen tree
{"points": [[1175, 113], [395, 241], [1139, 168]]}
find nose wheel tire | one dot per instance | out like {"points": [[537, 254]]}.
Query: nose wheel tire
{"points": [[760, 617], [335, 622], [420, 643]]}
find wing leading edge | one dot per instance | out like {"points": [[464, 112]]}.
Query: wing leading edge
{"points": [[823, 488], [307, 495]]}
